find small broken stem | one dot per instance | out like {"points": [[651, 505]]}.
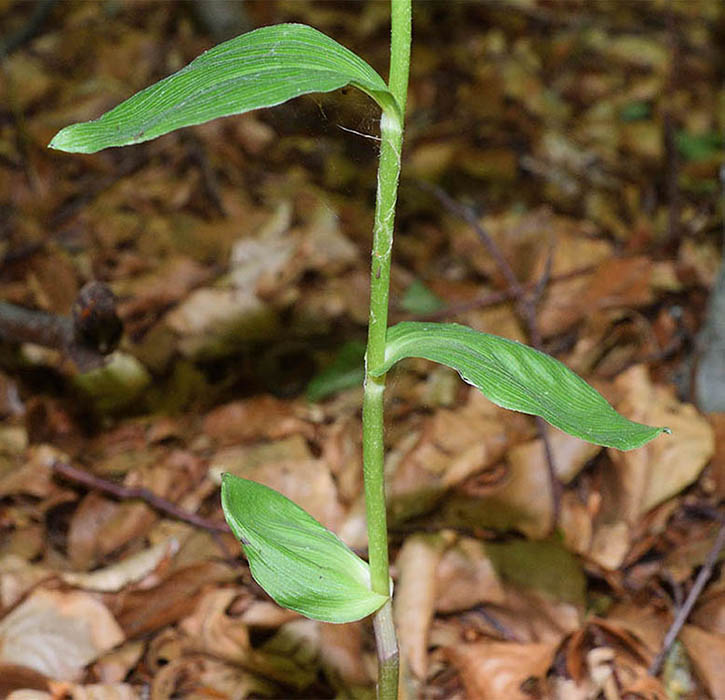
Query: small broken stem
{"points": [[92, 332]]}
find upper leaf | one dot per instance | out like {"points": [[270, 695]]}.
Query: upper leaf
{"points": [[300, 563], [520, 378], [263, 68]]}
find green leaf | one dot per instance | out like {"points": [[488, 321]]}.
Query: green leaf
{"points": [[635, 111], [263, 68], [301, 564], [346, 371], [520, 378], [545, 566], [418, 299], [697, 147]]}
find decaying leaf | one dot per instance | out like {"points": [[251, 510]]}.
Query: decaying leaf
{"points": [[466, 577], [128, 570], [286, 466], [706, 651], [58, 633], [415, 599], [495, 670], [658, 471]]}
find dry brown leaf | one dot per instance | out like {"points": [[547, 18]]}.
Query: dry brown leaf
{"points": [[610, 544], [15, 678], [342, 450], [644, 622], [569, 454], [128, 570], [662, 468], [197, 677], [453, 445], [465, 578], [213, 322], [257, 418], [710, 613], [521, 240], [96, 691], [532, 617], [575, 522], [58, 634], [616, 283], [415, 595], [325, 247], [706, 651], [524, 498], [150, 295], [342, 651], [17, 577], [603, 650], [700, 260], [141, 612], [13, 440], [497, 670], [34, 477], [169, 477], [115, 666], [292, 655], [212, 631], [86, 525], [717, 466], [288, 467]]}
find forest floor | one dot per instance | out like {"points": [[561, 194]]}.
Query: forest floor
{"points": [[583, 138]]}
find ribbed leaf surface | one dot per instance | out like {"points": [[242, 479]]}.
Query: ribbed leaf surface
{"points": [[300, 563], [260, 69], [520, 378]]}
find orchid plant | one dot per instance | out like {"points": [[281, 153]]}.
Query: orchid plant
{"points": [[301, 564]]}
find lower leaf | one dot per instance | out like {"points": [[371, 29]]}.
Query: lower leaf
{"points": [[301, 564]]}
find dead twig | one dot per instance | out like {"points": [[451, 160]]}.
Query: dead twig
{"points": [[526, 304], [80, 476], [499, 626], [684, 612]]}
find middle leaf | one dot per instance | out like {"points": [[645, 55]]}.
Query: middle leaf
{"points": [[520, 378]]}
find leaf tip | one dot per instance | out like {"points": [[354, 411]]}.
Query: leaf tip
{"points": [[64, 141]]}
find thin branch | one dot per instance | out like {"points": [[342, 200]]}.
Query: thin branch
{"points": [[80, 476], [499, 626], [684, 612], [469, 216], [526, 304]]}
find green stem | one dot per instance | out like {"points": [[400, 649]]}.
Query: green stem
{"points": [[391, 130]]}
